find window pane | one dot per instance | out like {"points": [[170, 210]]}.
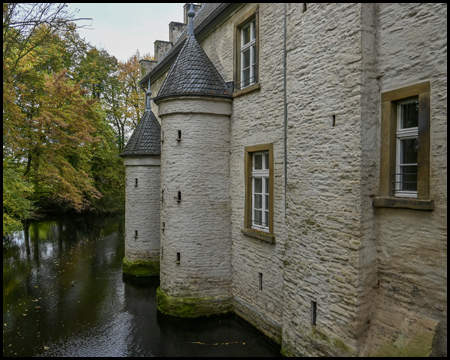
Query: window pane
{"points": [[410, 115], [266, 219], [408, 178], [257, 165], [258, 217], [252, 25], [267, 202], [245, 78], [258, 201], [266, 155], [258, 186], [246, 35], [408, 151], [252, 49], [267, 185], [246, 59]]}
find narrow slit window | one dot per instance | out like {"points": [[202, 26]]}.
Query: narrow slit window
{"points": [[178, 258], [179, 196], [313, 313], [136, 182], [179, 135], [260, 281], [135, 233]]}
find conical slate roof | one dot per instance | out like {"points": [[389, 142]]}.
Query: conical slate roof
{"points": [[193, 73], [146, 138]]}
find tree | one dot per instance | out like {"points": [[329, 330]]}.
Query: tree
{"points": [[48, 121], [16, 203], [97, 69], [67, 109], [27, 28], [125, 99], [54, 142]]}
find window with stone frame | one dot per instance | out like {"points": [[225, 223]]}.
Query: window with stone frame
{"points": [[405, 148], [407, 144], [248, 54], [246, 50], [260, 191], [259, 188]]}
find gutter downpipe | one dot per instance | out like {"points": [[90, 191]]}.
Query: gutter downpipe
{"points": [[285, 114]]}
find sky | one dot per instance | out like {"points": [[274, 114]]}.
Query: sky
{"points": [[121, 29]]}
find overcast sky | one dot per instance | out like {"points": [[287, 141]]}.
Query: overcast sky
{"points": [[122, 29]]}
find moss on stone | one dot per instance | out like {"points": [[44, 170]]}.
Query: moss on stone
{"points": [[191, 307], [420, 346], [140, 268], [289, 349], [339, 344], [316, 333]]}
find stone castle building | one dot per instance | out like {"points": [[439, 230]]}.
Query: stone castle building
{"points": [[292, 168]]}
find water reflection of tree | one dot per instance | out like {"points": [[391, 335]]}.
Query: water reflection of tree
{"points": [[54, 255]]}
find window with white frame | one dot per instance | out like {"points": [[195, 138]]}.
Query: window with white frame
{"points": [[260, 191], [407, 148], [248, 55]]}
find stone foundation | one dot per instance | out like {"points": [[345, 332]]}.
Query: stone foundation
{"points": [[140, 267], [259, 320], [192, 307]]}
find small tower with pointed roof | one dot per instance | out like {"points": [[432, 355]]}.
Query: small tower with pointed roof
{"points": [[194, 107], [142, 159]]}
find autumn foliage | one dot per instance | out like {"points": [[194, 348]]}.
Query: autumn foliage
{"points": [[67, 111]]}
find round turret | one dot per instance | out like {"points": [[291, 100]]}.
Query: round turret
{"points": [[195, 107], [142, 158]]}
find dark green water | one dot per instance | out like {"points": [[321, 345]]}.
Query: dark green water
{"points": [[64, 295]]}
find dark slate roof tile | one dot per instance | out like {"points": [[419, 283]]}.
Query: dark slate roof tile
{"points": [[146, 138], [201, 17], [193, 73]]}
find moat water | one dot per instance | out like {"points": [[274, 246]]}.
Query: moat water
{"points": [[64, 294]]}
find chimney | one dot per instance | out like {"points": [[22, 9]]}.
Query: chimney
{"points": [[146, 66], [175, 29], [160, 48], [186, 8]]}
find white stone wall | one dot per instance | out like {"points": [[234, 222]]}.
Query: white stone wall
{"points": [[258, 119], [324, 194], [197, 227], [370, 138], [331, 246], [155, 89], [142, 208], [412, 244]]}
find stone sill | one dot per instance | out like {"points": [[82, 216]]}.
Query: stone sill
{"points": [[247, 90], [259, 235], [404, 203]]}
